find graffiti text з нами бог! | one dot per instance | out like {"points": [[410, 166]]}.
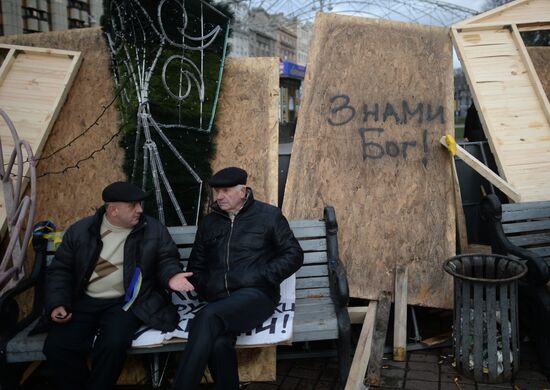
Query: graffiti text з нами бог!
{"points": [[343, 112]]}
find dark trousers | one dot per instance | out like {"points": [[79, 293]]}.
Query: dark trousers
{"points": [[68, 345], [212, 338]]}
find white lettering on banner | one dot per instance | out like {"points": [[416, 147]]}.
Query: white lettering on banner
{"points": [[276, 329]]}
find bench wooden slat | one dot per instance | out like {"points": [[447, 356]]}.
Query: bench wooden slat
{"points": [[311, 282], [315, 257], [312, 270], [521, 215], [531, 226], [313, 304], [313, 293], [507, 207], [540, 251], [307, 232], [530, 239], [319, 244], [299, 223]]}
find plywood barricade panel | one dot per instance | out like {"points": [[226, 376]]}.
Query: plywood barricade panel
{"points": [[540, 55], [65, 198], [377, 98], [248, 125]]}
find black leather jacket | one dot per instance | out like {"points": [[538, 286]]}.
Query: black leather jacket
{"points": [[149, 245], [257, 249]]}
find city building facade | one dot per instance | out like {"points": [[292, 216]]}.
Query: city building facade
{"points": [[29, 16]]}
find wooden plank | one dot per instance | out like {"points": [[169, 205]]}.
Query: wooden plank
{"points": [[531, 239], [6, 65], [461, 230], [511, 216], [379, 338], [542, 252], [361, 171], [315, 257], [252, 144], [311, 282], [314, 245], [531, 226], [362, 355], [309, 232], [532, 73], [400, 315], [313, 293], [306, 223], [519, 11], [484, 171], [312, 270]]}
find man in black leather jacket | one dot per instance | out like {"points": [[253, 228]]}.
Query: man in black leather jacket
{"points": [[243, 250], [108, 277]]}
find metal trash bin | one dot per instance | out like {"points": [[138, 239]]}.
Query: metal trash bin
{"points": [[485, 331]]}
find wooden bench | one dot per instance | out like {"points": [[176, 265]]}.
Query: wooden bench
{"points": [[522, 230], [320, 311]]}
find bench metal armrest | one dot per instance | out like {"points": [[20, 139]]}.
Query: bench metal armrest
{"points": [[337, 273], [491, 212]]}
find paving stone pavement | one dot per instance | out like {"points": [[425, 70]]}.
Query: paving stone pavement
{"points": [[423, 370]]}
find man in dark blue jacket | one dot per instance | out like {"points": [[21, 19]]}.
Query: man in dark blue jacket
{"points": [[110, 275], [243, 250]]}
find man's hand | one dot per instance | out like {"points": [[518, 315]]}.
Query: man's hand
{"points": [[60, 315], [179, 282]]}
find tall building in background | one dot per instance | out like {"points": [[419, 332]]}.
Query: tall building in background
{"points": [[256, 33], [29, 16]]}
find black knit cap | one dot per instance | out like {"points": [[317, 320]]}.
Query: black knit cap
{"points": [[228, 177], [122, 191]]}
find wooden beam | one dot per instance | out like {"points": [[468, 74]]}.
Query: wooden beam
{"points": [[379, 338], [476, 19], [461, 230], [361, 358], [533, 76], [484, 171], [6, 64], [400, 315]]}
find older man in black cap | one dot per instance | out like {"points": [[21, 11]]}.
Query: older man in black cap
{"points": [[109, 276], [243, 250]]}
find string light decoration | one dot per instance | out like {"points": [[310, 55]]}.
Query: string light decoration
{"points": [[169, 54]]}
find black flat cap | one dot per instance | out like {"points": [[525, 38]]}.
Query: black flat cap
{"points": [[122, 191], [228, 177]]}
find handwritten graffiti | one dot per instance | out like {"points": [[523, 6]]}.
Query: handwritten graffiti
{"points": [[373, 141]]}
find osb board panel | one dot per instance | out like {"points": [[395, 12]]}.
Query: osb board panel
{"points": [[540, 56], [255, 364], [519, 12], [377, 98], [247, 122], [65, 198], [513, 116]]}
